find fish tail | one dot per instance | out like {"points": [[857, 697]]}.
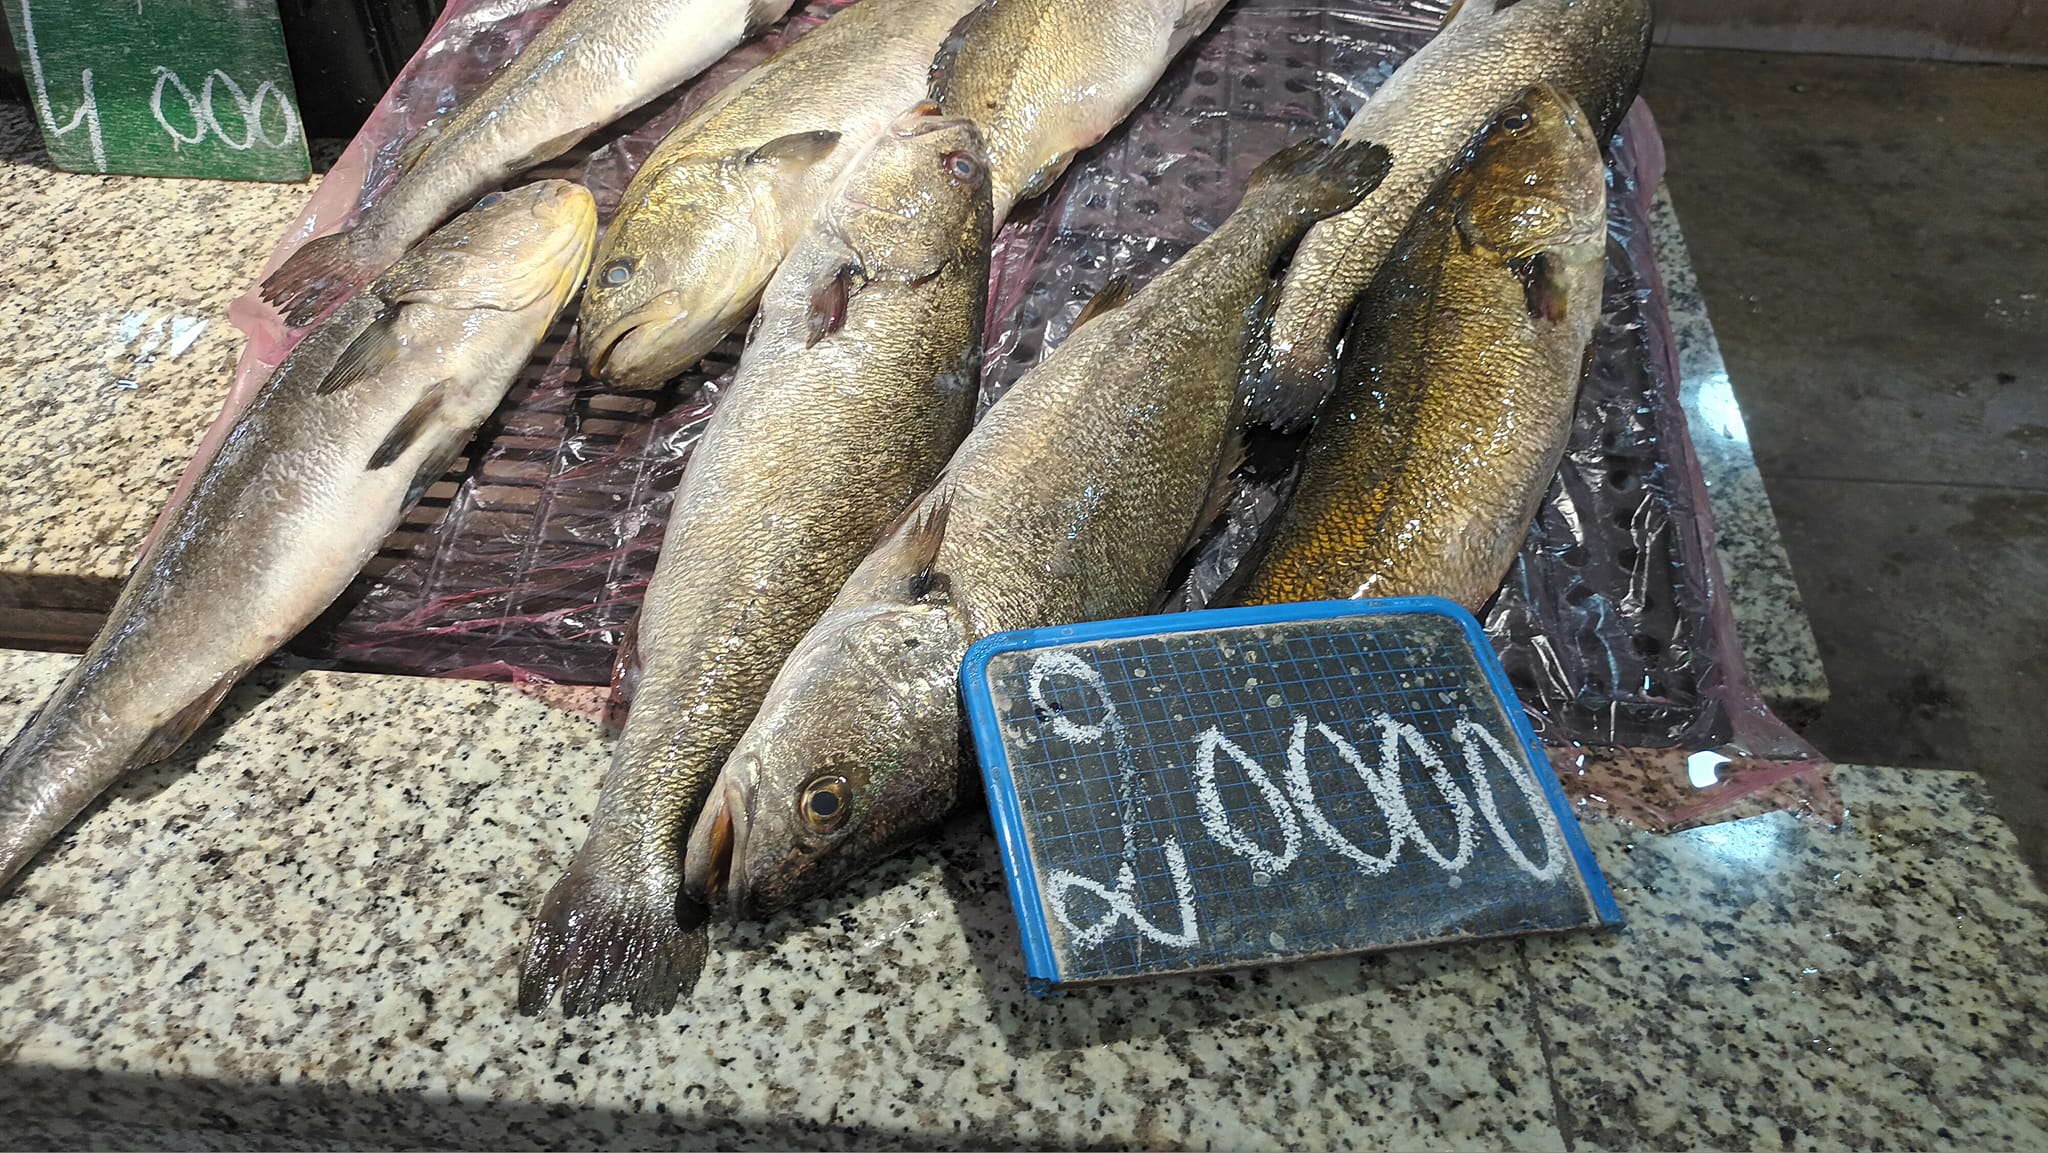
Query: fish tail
{"points": [[44, 785], [1311, 180], [316, 277], [599, 940]]}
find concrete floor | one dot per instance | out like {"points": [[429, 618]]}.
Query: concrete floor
{"points": [[1872, 240]]}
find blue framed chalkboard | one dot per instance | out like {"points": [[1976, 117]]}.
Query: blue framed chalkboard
{"points": [[1245, 786]]}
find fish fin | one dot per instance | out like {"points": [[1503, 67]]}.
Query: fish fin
{"points": [[804, 148], [1542, 291], [314, 278], [548, 150], [416, 147], [940, 78], [627, 666], [408, 429], [1285, 403], [828, 303], [179, 726], [368, 354], [1313, 180], [1222, 483], [1504, 5], [1046, 175], [922, 550], [762, 13], [598, 941], [1111, 297]]}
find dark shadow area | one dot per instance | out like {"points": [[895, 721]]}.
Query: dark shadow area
{"points": [[1871, 237]]}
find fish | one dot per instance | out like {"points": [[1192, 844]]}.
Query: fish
{"points": [[1046, 79], [370, 409], [858, 384], [1070, 501], [593, 63], [709, 216], [1487, 52], [1460, 374]]}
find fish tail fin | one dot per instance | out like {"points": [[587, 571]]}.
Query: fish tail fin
{"points": [[316, 277], [599, 940], [61, 762], [1312, 180]]}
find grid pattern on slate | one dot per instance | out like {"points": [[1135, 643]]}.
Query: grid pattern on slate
{"points": [[1088, 803]]}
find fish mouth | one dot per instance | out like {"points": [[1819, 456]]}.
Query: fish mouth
{"points": [[646, 348], [715, 867]]}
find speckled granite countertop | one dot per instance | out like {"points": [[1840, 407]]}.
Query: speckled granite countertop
{"points": [[1777, 639], [301, 933], [115, 354]]}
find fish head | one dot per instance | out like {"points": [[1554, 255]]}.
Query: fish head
{"points": [[855, 752], [1533, 178], [512, 249], [682, 264], [918, 196]]}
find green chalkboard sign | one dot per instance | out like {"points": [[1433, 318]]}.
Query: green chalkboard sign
{"points": [[162, 87]]}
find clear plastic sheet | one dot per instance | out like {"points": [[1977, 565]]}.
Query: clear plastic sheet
{"points": [[528, 561]]}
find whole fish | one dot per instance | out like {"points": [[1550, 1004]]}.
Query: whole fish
{"points": [[711, 213], [363, 415], [595, 62], [856, 387], [1460, 372], [1425, 114], [1069, 502], [1048, 78]]}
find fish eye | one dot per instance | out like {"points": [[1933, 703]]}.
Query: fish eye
{"points": [[1516, 121], [824, 802], [962, 167], [490, 199], [617, 272]]}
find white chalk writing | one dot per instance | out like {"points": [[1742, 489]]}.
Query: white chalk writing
{"points": [[205, 119], [88, 112], [1290, 809]]}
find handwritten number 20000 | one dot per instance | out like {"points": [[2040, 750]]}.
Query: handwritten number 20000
{"points": [[1291, 801]]}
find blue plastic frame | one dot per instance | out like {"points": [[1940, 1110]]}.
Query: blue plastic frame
{"points": [[1040, 964]]}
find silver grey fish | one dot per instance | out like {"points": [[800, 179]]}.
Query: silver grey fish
{"points": [[363, 415], [1070, 501]]}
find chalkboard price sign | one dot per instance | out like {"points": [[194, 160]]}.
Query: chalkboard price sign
{"points": [[1238, 787], [162, 87]]}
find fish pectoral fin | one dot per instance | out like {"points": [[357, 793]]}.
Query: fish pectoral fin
{"points": [[409, 427], [762, 13], [829, 298], [1222, 482], [416, 148], [1543, 290], [1046, 174], [548, 150], [1112, 296], [627, 666], [368, 354], [800, 148], [179, 726], [923, 541]]}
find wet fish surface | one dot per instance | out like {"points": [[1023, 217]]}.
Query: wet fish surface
{"points": [[1048, 78], [1488, 51], [1460, 373], [1070, 501], [721, 200], [368, 410], [593, 63], [856, 387]]}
